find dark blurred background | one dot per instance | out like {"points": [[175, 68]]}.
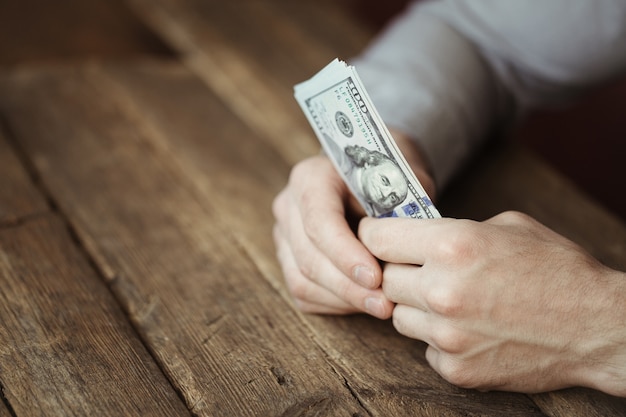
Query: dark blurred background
{"points": [[586, 142]]}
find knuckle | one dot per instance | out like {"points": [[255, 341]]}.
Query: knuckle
{"points": [[295, 284], [515, 216], [301, 171], [307, 264], [400, 324], [308, 308], [296, 277], [461, 244], [303, 306], [446, 301], [457, 372], [306, 268], [311, 225], [311, 228], [450, 339], [279, 204], [512, 217], [298, 170], [299, 288]]}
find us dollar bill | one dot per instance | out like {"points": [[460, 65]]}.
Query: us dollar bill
{"points": [[355, 138]]}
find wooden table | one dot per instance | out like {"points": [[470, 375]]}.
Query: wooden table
{"points": [[137, 270]]}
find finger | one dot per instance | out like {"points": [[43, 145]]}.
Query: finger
{"points": [[404, 284], [321, 205], [311, 262], [328, 287], [307, 292], [308, 296], [435, 358], [413, 323], [403, 240], [314, 308], [452, 368], [444, 335]]}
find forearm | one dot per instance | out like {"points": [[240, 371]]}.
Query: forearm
{"points": [[603, 360]]}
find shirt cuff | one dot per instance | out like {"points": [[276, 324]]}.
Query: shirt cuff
{"points": [[431, 83]]}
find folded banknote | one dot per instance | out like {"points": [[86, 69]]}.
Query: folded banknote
{"points": [[356, 139]]}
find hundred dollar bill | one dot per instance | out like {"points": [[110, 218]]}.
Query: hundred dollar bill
{"points": [[355, 138]]}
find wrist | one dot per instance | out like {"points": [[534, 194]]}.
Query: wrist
{"points": [[604, 366]]}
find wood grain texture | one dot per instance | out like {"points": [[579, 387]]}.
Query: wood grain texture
{"points": [[166, 173], [19, 198], [227, 340], [4, 411], [252, 53], [36, 31], [66, 348]]}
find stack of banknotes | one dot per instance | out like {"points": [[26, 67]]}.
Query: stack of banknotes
{"points": [[356, 139]]}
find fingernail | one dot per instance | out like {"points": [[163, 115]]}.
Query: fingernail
{"points": [[364, 276], [374, 306]]}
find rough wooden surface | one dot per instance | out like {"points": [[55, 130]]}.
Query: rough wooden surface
{"points": [[19, 199], [66, 348], [164, 172], [228, 342], [4, 411], [37, 31]]}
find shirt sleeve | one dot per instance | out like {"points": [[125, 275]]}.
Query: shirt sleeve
{"points": [[451, 72]]}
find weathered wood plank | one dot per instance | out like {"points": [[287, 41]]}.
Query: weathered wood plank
{"points": [[252, 53], [85, 360], [212, 40], [250, 172], [226, 339], [18, 196], [36, 31], [4, 411], [66, 348]]}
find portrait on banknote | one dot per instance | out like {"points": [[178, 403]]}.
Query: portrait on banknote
{"points": [[375, 179]]}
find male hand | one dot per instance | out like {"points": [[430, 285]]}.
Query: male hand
{"points": [[326, 268], [504, 304]]}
